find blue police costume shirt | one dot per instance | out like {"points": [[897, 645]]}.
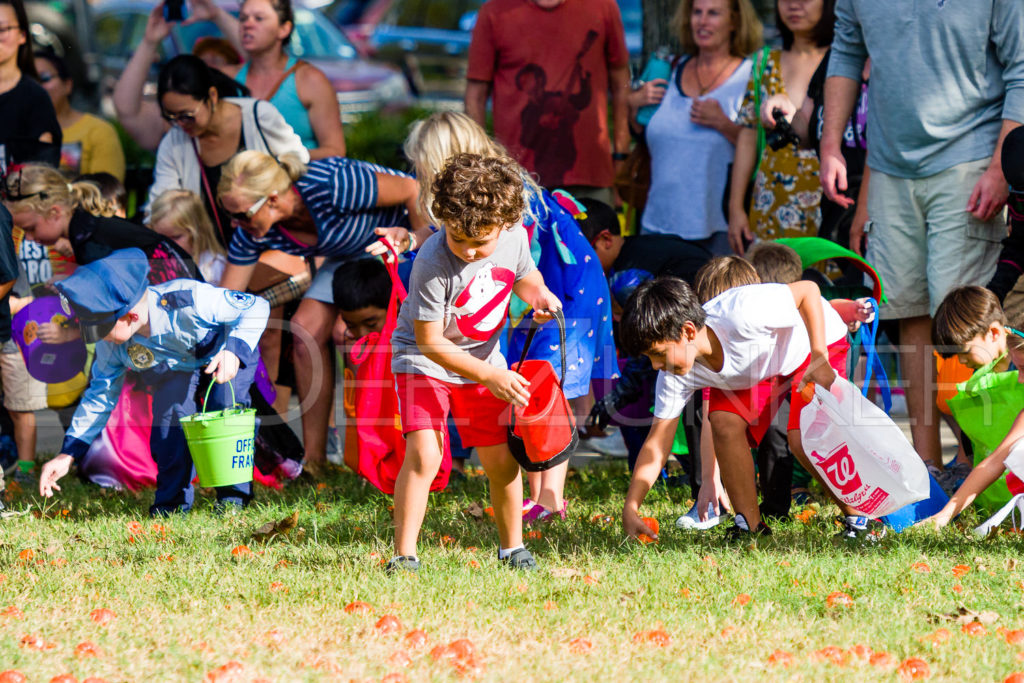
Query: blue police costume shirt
{"points": [[189, 322], [341, 196]]}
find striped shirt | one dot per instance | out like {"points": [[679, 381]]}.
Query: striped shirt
{"points": [[341, 195]]}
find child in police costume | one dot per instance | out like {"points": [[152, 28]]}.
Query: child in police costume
{"points": [[168, 333]]}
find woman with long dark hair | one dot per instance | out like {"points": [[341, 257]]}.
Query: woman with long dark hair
{"points": [[29, 130]]}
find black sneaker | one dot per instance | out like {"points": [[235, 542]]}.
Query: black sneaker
{"points": [[521, 559], [740, 531], [402, 563], [860, 529]]}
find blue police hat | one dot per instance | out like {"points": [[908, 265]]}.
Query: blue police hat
{"points": [[102, 291]]}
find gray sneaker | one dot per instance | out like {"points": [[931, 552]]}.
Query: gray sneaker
{"points": [[402, 563], [521, 559]]}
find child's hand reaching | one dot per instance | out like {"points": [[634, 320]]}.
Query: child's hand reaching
{"points": [[544, 306], [819, 372], [634, 526], [52, 471], [223, 366], [509, 386]]}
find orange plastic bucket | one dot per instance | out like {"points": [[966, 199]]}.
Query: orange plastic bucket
{"points": [[543, 433]]}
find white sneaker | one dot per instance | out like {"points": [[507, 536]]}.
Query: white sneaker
{"points": [[611, 445], [691, 521]]}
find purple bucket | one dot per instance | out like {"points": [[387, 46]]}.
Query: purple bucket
{"points": [[50, 363]]}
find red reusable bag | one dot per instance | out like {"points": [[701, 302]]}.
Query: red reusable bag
{"points": [[374, 445], [543, 434]]}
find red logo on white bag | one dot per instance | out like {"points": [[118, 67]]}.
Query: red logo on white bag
{"points": [[840, 470]]}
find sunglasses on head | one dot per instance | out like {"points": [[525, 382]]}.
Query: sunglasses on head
{"points": [[10, 187], [1014, 332], [245, 216]]}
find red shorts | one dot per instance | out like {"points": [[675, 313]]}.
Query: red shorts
{"points": [[759, 404], [424, 403]]}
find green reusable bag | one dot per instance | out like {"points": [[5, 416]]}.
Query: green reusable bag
{"points": [[985, 408]]}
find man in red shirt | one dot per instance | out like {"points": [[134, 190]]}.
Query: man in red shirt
{"points": [[549, 65]]}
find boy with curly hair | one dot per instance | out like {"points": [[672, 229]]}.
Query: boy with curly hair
{"points": [[446, 356]]}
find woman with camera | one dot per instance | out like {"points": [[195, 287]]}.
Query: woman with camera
{"points": [[786, 193], [692, 132]]}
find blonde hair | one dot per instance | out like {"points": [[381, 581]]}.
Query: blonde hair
{"points": [[45, 187], [747, 31], [255, 175], [185, 211], [433, 141], [723, 273]]}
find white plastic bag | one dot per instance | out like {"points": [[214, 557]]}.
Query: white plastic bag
{"points": [[860, 452]]}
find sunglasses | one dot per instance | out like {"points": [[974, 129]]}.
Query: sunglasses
{"points": [[246, 216], [10, 188], [185, 117]]}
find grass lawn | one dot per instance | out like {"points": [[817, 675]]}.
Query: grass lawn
{"points": [[185, 600]]}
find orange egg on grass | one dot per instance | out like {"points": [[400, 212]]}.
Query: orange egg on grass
{"points": [[358, 607], [12, 676], [102, 616], [388, 623], [579, 646], [914, 668], [652, 524], [416, 638]]}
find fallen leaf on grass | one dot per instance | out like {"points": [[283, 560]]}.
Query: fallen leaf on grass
{"points": [[741, 599], [965, 616], [272, 530], [475, 510]]}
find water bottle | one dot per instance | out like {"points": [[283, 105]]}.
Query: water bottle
{"points": [[658, 66]]}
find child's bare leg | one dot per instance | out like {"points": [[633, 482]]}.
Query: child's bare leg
{"points": [[423, 449], [737, 466], [536, 483], [552, 484], [797, 447], [506, 492]]}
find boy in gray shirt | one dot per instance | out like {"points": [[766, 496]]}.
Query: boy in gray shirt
{"points": [[445, 347]]}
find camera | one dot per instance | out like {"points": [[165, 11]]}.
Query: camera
{"points": [[782, 134], [174, 10]]}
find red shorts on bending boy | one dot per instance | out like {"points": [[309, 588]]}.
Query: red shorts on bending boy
{"points": [[425, 402]]}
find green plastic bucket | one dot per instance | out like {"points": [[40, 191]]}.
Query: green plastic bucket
{"points": [[221, 443]]}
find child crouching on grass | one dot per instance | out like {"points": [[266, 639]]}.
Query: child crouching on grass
{"points": [[971, 324], [787, 335], [446, 356], [167, 333]]}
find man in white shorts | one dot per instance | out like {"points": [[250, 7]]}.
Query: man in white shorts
{"points": [[947, 85]]}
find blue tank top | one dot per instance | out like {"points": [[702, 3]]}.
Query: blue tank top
{"points": [[287, 101]]}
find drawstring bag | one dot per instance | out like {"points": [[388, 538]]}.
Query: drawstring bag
{"points": [[543, 434], [985, 408], [374, 445]]}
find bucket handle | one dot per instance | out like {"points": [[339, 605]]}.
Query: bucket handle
{"points": [[560, 318], [206, 399]]}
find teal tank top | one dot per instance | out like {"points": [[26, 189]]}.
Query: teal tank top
{"points": [[287, 101]]}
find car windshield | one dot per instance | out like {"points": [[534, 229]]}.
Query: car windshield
{"points": [[315, 37]]}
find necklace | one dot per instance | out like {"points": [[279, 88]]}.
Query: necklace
{"points": [[700, 83]]}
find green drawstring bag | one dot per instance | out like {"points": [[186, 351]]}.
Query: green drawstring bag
{"points": [[985, 407]]}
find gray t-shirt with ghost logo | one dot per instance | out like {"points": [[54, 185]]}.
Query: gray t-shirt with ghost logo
{"points": [[470, 298]]}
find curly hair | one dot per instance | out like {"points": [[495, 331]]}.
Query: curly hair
{"points": [[473, 194]]}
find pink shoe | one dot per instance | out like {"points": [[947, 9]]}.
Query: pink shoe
{"points": [[528, 505], [539, 514]]}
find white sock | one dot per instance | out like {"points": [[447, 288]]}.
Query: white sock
{"points": [[857, 521], [505, 552]]}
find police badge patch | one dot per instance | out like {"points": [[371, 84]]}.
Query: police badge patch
{"points": [[141, 357], [239, 300]]}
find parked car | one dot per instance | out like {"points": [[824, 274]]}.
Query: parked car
{"points": [[362, 85], [429, 40]]}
